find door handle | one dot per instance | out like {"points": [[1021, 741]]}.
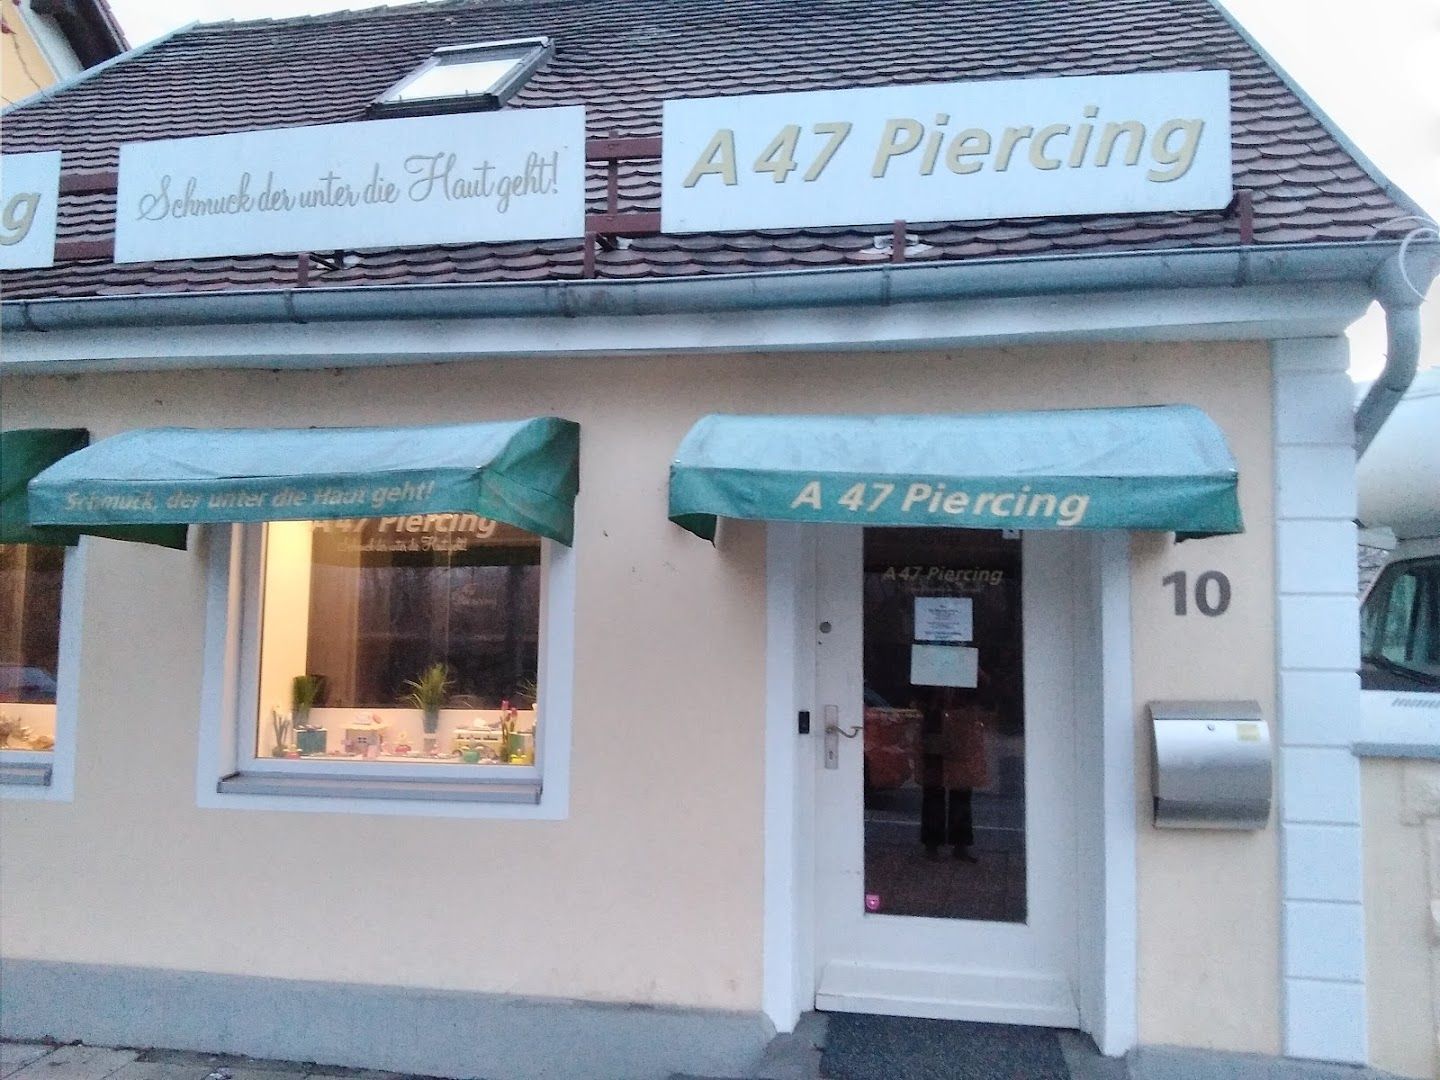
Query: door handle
{"points": [[833, 734]]}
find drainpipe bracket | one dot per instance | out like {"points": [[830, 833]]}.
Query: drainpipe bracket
{"points": [[1403, 280], [288, 297]]}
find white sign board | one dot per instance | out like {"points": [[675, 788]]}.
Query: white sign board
{"points": [[517, 175], [29, 195], [944, 618], [944, 665], [1097, 144]]}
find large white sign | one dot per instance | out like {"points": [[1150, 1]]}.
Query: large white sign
{"points": [[29, 194], [949, 152], [516, 175]]}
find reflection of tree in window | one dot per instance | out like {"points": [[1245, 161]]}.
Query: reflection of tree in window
{"points": [[30, 577], [476, 610]]}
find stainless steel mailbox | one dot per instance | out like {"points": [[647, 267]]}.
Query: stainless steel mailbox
{"points": [[1211, 765]]}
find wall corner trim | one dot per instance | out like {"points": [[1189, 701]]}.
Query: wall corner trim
{"points": [[1323, 1007]]}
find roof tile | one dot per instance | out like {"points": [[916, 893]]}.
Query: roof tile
{"points": [[622, 59]]}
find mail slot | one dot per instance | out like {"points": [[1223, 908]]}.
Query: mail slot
{"points": [[1211, 765]]}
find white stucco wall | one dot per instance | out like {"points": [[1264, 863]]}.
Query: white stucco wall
{"points": [[651, 890], [1402, 905]]}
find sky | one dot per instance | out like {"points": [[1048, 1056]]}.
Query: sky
{"points": [[1369, 65]]}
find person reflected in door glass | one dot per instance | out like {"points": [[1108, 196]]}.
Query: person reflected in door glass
{"points": [[952, 765]]}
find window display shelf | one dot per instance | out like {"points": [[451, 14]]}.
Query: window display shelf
{"points": [[417, 758]]}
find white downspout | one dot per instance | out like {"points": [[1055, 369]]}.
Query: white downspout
{"points": [[1401, 296]]}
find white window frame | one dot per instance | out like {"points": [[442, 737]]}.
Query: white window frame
{"points": [[528, 53], [49, 776], [232, 776]]}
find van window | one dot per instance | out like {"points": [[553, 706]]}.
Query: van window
{"points": [[1400, 635]]}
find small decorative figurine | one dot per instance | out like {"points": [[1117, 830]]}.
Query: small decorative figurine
{"points": [[362, 737], [507, 732], [12, 728]]}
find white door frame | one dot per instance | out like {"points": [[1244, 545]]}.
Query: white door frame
{"points": [[966, 969], [1105, 770]]}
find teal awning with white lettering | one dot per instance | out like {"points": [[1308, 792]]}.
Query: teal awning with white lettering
{"points": [[1162, 467], [25, 452], [523, 472]]}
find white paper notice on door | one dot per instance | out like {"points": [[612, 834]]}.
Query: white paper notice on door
{"points": [[944, 665], [944, 618]]}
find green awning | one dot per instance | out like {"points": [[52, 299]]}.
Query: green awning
{"points": [[1163, 467], [523, 472], [24, 452]]}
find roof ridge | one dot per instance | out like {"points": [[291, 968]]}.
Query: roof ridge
{"points": [[379, 11], [85, 75], [1393, 190], [383, 9]]}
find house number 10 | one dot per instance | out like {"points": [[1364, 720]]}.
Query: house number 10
{"points": [[1212, 592]]}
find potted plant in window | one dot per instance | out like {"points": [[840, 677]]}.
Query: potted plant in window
{"points": [[305, 691], [280, 726], [527, 689], [427, 693]]}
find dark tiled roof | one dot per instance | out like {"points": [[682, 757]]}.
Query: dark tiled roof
{"points": [[622, 58]]}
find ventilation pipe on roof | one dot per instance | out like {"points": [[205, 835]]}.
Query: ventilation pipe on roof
{"points": [[1400, 296]]}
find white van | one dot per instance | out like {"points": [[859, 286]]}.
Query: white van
{"points": [[1399, 487]]}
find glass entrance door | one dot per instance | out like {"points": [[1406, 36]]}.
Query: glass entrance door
{"points": [[945, 844], [944, 725]]}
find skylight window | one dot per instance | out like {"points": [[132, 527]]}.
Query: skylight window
{"points": [[465, 78]]}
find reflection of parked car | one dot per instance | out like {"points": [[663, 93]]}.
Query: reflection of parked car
{"points": [[1399, 485], [892, 739], [21, 683]]}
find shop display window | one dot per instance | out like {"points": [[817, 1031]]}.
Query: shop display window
{"points": [[394, 644], [30, 585]]}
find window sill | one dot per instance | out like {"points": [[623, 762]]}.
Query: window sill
{"points": [[525, 793], [1397, 724], [25, 773], [1415, 751]]}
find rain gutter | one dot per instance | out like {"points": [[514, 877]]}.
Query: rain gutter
{"points": [[1359, 263], [1401, 296], [1397, 294]]}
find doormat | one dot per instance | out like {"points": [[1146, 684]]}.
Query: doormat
{"points": [[860, 1047]]}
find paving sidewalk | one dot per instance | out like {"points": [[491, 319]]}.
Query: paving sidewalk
{"points": [[823, 1047], [44, 1061], [852, 1048], [796, 1057]]}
